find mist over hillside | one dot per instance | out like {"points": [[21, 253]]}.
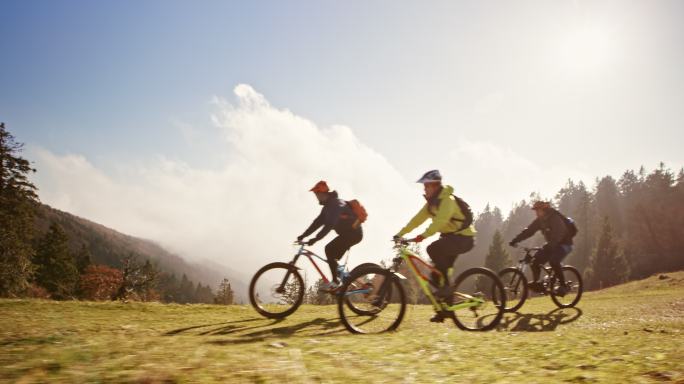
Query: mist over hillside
{"points": [[109, 247]]}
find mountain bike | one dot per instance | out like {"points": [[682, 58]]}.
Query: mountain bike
{"points": [[277, 289], [517, 291], [475, 301]]}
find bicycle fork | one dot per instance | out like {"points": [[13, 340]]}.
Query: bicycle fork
{"points": [[281, 287]]}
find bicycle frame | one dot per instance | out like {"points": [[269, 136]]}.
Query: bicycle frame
{"points": [[412, 260], [309, 255], [524, 263]]}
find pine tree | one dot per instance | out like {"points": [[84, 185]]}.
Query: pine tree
{"points": [[486, 223], [224, 294], [520, 217], [198, 293], [186, 290], [575, 201], [608, 263], [17, 209], [83, 259], [607, 200], [168, 288], [56, 269], [203, 294], [635, 238], [207, 296], [146, 285], [497, 258]]}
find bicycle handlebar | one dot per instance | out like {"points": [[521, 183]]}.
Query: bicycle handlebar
{"points": [[528, 254], [402, 241]]}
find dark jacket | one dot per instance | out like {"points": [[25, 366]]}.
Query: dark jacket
{"points": [[553, 228], [335, 214]]}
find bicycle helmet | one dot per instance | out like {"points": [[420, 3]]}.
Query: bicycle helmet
{"points": [[430, 177], [320, 187], [539, 204]]}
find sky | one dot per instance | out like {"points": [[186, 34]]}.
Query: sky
{"points": [[201, 125]]}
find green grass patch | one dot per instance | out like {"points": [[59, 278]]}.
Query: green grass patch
{"points": [[630, 333]]}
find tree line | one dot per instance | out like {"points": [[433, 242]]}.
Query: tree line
{"points": [[45, 266], [629, 228]]}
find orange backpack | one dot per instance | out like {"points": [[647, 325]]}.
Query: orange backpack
{"points": [[360, 212]]}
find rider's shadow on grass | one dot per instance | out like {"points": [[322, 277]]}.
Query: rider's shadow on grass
{"points": [[225, 326], [531, 322], [278, 332], [292, 329]]}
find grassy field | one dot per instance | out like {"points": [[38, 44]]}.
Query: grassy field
{"points": [[630, 333]]}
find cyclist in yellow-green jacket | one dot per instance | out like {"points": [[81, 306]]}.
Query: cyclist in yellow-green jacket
{"points": [[452, 217]]}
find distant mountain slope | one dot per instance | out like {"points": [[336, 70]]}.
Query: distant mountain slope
{"points": [[109, 247]]}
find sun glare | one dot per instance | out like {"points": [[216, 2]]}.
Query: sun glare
{"points": [[586, 49]]}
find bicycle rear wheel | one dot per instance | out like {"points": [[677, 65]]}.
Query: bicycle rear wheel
{"points": [[573, 284], [363, 265], [478, 300], [276, 290], [515, 286], [371, 301]]}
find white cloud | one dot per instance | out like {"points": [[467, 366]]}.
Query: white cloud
{"points": [[488, 173], [246, 212]]}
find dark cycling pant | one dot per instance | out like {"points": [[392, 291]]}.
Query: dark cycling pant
{"points": [[553, 255], [335, 249], [444, 251]]}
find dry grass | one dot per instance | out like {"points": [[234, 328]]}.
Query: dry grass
{"points": [[631, 333]]}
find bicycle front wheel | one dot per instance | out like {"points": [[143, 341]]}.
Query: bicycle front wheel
{"points": [[515, 286], [360, 309], [478, 301], [573, 287], [276, 290], [371, 301]]}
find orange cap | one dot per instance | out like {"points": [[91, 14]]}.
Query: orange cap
{"points": [[320, 187]]}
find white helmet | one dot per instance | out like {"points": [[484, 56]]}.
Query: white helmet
{"points": [[430, 177]]}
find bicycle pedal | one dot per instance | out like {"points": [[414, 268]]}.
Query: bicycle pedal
{"points": [[440, 316]]}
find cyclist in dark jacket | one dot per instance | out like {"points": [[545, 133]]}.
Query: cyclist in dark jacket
{"points": [[558, 243], [336, 215]]}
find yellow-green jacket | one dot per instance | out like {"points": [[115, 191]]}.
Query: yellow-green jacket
{"points": [[446, 217]]}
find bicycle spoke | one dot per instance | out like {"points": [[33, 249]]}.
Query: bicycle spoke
{"points": [[372, 301], [515, 287], [477, 300], [573, 288], [276, 291]]}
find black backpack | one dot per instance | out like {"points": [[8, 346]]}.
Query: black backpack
{"points": [[570, 224], [467, 213]]}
